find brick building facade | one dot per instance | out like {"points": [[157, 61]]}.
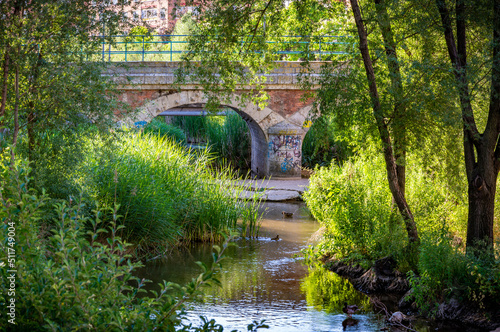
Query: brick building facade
{"points": [[158, 15]]}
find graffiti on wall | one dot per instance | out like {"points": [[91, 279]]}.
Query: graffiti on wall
{"points": [[285, 149]]}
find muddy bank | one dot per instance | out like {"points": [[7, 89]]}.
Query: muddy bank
{"points": [[382, 280]]}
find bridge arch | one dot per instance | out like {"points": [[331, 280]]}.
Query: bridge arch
{"points": [[276, 139]]}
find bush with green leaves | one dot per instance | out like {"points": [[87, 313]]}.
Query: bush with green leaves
{"points": [[353, 202], [446, 272], [322, 145], [79, 276]]}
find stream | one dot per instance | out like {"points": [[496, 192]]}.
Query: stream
{"points": [[264, 279]]}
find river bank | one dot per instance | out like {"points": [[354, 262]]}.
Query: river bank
{"points": [[382, 280]]}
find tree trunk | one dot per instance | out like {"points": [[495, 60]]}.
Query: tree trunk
{"points": [[390, 161], [5, 83], [397, 91], [481, 207], [481, 151]]}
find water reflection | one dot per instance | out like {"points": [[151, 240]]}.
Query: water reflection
{"points": [[262, 279]]}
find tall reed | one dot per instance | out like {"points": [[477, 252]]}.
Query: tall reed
{"points": [[159, 127], [231, 140], [166, 194]]}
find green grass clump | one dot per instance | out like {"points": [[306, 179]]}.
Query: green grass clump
{"points": [[193, 126], [165, 194], [227, 136], [159, 127]]}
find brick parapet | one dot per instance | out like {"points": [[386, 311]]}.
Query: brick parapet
{"points": [[157, 74]]}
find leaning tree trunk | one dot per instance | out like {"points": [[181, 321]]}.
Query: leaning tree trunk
{"points": [[399, 126], [390, 161]]}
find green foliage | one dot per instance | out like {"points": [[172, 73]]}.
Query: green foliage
{"points": [[353, 201], [140, 34], [195, 127], [159, 127], [354, 204], [184, 28], [50, 82], [228, 137], [165, 194], [447, 272], [322, 144], [231, 140], [73, 279], [139, 45]]}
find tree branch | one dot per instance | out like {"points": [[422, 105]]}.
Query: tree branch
{"points": [[472, 138], [258, 22]]}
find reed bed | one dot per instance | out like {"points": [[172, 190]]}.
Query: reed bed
{"points": [[166, 194], [231, 140]]}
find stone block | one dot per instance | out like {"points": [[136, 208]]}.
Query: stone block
{"points": [[270, 120], [300, 116], [259, 115]]}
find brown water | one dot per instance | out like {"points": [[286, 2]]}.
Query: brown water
{"points": [[263, 279]]}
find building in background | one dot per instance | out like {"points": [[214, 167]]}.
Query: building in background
{"points": [[159, 16]]}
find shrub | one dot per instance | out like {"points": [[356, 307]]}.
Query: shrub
{"points": [[447, 272], [354, 203], [321, 146], [231, 140]]}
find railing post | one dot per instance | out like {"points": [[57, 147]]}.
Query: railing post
{"points": [[319, 48], [109, 52], [171, 48], [126, 51], [143, 48]]}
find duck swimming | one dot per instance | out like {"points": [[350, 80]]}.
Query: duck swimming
{"points": [[349, 309], [287, 214], [276, 238]]}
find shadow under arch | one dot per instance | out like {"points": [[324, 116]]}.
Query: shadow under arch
{"points": [[185, 99], [267, 127], [258, 147]]}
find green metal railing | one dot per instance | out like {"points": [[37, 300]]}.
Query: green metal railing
{"points": [[171, 47]]}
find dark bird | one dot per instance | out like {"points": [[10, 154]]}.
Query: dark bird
{"points": [[349, 309], [349, 322], [276, 238], [287, 214]]}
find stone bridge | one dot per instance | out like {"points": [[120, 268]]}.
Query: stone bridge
{"points": [[277, 131]]}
